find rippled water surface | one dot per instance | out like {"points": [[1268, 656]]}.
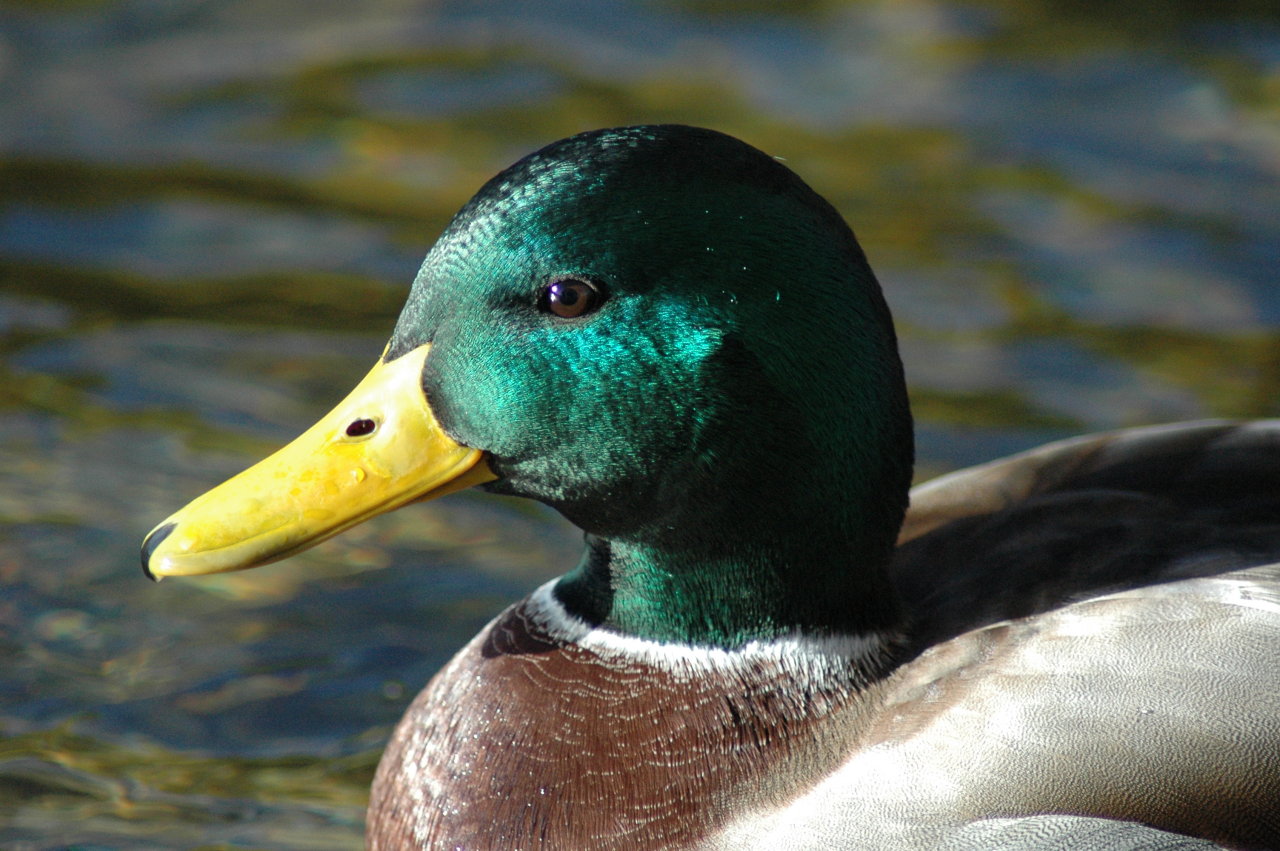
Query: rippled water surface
{"points": [[210, 211]]}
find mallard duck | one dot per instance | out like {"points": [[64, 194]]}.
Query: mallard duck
{"points": [[667, 336]]}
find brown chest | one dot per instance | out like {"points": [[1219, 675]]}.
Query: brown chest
{"points": [[523, 741]]}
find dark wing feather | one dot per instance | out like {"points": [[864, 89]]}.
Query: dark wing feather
{"points": [[1087, 517]]}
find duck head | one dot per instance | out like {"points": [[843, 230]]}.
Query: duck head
{"points": [[667, 336]]}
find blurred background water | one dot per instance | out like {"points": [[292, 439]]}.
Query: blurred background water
{"points": [[210, 211]]}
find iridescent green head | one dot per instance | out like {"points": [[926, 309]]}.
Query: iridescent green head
{"points": [[733, 389]]}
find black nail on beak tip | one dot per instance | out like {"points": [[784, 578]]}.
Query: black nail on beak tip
{"points": [[149, 546]]}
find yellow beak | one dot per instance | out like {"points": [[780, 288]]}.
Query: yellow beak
{"points": [[380, 448]]}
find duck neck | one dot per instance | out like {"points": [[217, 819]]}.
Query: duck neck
{"points": [[770, 577]]}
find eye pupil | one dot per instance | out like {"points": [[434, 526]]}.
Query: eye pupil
{"points": [[570, 298], [359, 428]]}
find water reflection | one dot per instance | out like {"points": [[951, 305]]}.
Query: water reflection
{"points": [[210, 211]]}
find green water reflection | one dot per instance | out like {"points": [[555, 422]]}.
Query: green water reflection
{"points": [[210, 213]]}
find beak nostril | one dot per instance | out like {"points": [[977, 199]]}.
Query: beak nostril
{"points": [[360, 428]]}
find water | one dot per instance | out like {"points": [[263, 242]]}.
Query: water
{"points": [[210, 212]]}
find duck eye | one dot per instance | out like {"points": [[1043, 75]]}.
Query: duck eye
{"points": [[359, 428], [570, 298]]}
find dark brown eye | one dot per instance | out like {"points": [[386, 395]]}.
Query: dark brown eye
{"points": [[570, 298], [359, 428]]}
